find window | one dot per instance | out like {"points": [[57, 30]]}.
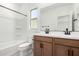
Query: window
{"points": [[34, 18]]}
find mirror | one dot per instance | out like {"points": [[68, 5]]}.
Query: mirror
{"points": [[58, 17]]}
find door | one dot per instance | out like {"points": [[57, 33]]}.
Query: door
{"points": [[37, 49], [47, 49], [74, 51], [61, 50]]}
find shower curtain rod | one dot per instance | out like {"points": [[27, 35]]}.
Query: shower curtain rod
{"points": [[13, 10]]}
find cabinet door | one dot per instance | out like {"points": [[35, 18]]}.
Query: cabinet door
{"points": [[47, 49], [61, 50], [37, 49], [75, 51]]}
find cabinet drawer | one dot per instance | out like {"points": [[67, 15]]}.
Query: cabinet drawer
{"points": [[69, 42], [43, 38]]}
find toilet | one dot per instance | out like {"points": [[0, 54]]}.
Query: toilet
{"points": [[25, 49]]}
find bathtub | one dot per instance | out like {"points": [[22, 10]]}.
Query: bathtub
{"points": [[10, 48]]}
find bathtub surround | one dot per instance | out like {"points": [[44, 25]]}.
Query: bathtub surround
{"points": [[6, 25], [13, 31]]}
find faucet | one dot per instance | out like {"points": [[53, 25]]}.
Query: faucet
{"points": [[67, 32], [46, 29]]}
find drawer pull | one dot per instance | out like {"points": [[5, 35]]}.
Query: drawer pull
{"points": [[68, 52], [72, 52], [41, 45]]}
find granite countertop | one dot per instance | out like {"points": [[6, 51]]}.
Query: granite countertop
{"points": [[74, 35]]}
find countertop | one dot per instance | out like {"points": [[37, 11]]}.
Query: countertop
{"points": [[74, 35]]}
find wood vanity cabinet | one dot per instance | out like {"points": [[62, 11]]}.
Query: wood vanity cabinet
{"points": [[66, 47], [42, 46], [54, 46]]}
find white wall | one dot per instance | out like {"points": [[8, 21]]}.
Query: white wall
{"points": [[43, 5]]}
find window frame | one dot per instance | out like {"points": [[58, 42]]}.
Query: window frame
{"points": [[32, 18]]}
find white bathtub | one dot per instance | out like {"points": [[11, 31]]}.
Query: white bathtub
{"points": [[10, 48]]}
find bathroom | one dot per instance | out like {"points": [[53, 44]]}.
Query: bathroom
{"points": [[25, 26]]}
